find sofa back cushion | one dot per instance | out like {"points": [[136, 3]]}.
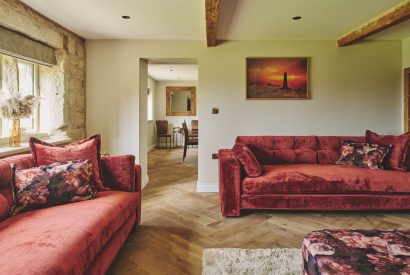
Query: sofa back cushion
{"points": [[270, 150], [247, 159], [6, 197]]}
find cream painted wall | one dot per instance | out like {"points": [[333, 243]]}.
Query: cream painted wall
{"points": [[143, 141], [406, 52], [151, 139], [351, 89], [160, 103]]}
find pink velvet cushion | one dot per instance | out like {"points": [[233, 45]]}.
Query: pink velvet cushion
{"points": [[119, 172], [53, 184], [247, 159], [88, 148], [364, 155], [395, 160]]}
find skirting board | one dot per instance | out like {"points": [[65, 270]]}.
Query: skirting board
{"points": [[144, 182], [151, 147], [207, 187]]}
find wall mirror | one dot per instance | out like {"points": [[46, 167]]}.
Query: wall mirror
{"points": [[181, 101]]}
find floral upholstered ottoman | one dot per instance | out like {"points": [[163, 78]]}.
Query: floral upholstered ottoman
{"points": [[356, 252]]}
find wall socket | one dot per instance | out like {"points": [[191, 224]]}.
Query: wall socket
{"points": [[214, 156], [215, 111]]}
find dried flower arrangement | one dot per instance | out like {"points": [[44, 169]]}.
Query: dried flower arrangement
{"points": [[17, 106]]}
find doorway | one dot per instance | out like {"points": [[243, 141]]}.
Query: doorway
{"points": [[172, 94]]}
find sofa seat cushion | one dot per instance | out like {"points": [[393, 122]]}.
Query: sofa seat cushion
{"points": [[63, 239], [326, 179]]}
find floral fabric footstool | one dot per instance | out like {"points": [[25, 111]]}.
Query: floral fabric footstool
{"points": [[356, 252]]}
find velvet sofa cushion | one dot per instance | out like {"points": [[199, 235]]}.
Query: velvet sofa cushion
{"points": [[63, 239], [326, 179], [397, 157], [119, 172], [247, 159], [89, 148], [364, 155], [270, 150], [24, 161], [49, 185]]}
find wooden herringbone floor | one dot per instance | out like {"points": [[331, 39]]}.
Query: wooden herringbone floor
{"points": [[177, 223]]}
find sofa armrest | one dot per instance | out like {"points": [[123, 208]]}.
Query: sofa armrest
{"points": [[229, 183], [121, 173]]}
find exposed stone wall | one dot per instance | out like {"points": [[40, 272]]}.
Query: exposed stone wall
{"points": [[62, 86]]}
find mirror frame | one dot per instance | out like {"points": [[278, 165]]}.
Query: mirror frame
{"points": [[192, 89]]}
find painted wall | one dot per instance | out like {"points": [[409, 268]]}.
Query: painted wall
{"points": [[406, 52], [351, 89], [151, 138]]}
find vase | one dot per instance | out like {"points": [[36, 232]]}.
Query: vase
{"points": [[15, 133]]}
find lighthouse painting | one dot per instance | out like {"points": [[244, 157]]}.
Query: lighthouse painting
{"points": [[277, 78]]}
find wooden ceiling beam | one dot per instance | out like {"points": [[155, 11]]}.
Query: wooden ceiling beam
{"points": [[211, 12], [387, 20]]}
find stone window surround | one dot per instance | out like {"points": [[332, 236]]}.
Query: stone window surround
{"points": [[62, 84], [25, 134]]}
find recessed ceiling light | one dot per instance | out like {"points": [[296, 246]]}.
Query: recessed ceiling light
{"points": [[297, 18], [125, 17]]}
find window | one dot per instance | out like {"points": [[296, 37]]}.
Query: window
{"points": [[27, 85], [150, 105]]}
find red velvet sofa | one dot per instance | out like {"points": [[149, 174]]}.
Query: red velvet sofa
{"points": [[77, 238], [299, 173]]}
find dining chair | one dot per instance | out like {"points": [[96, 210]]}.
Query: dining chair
{"points": [[162, 132], [188, 140]]}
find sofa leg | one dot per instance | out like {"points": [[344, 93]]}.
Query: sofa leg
{"points": [[232, 213]]}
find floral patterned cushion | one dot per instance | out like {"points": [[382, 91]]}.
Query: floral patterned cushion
{"points": [[53, 184], [365, 155], [356, 252]]}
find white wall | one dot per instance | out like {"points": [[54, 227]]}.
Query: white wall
{"points": [[151, 138], [406, 52], [143, 141], [352, 89]]}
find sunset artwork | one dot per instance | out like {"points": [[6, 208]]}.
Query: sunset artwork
{"points": [[277, 78]]}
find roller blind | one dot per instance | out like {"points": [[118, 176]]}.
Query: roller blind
{"points": [[20, 46]]}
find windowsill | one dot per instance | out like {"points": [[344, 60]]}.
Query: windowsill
{"points": [[25, 147], [150, 120]]}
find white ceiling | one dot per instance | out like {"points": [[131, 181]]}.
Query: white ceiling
{"points": [[150, 19], [272, 19], [239, 20], [173, 72]]}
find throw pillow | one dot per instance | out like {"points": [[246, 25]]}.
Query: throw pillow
{"points": [[397, 157], [88, 148], [365, 155], [49, 185], [247, 159]]}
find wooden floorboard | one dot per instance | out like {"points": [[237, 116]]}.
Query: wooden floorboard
{"points": [[177, 222]]}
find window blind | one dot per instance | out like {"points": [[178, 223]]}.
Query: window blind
{"points": [[21, 46]]}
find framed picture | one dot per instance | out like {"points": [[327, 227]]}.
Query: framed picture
{"points": [[277, 78]]}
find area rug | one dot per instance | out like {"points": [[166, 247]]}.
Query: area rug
{"points": [[272, 261]]}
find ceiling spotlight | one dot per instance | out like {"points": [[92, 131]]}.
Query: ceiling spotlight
{"points": [[297, 18], [125, 17]]}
